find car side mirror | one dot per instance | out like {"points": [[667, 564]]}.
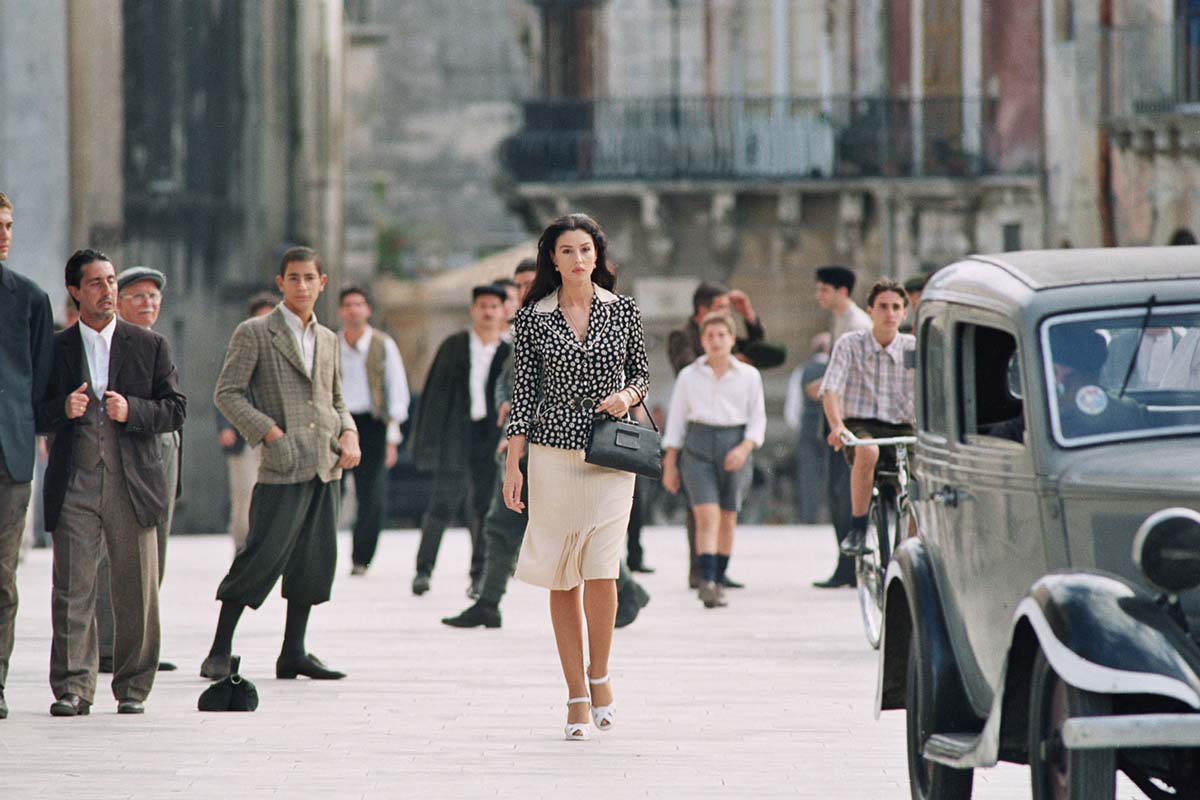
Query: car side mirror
{"points": [[1167, 549]]}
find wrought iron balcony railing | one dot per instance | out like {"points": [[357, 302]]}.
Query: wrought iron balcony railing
{"points": [[753, 138], [1153, 69]]}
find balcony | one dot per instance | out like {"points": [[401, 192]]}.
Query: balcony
{"points": [[1153, 70], [753, 138]]}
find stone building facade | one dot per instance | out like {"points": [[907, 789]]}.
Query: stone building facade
{"points": [[200, 139], [750, 141]]}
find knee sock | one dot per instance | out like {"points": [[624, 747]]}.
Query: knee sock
{"points": [[708, 566], [722, 565], [226, 624], [297, 624], [858, 523]]}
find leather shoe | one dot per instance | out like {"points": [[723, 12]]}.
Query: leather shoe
{"points": [[3, 706], [131, 707], [630, 601], [833, 582], [70, 705], [473, 589], [216, 667], [420, 585], [480, 614], [308, 665], [358, 569], [166, 666], [730, 583], [106, 665], [642, 568]]}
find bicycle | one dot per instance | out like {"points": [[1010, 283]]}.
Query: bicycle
{"points": [[888, 524]]}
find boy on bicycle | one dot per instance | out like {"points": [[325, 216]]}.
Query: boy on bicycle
{"points": [[868, 392]]}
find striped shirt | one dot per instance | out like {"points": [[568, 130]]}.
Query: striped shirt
{"points": [[872, 381]]}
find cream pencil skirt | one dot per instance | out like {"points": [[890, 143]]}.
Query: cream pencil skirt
{"points": [[578, 519]]}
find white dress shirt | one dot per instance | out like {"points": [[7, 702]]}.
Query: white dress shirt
{"points": [[1154, 354], [97, 345], [481, 363], [305, 336], [735, 398], [356, 389]]}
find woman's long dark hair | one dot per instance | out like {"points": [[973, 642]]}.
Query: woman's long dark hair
{"points": [[547, 278]]}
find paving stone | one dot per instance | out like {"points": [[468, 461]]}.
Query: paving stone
{"points": [[770, 697]]}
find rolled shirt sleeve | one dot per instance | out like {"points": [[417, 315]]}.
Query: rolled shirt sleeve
{"points": [[838, 371]]}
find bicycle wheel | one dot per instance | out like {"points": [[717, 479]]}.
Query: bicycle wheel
{"points": [[871, 563]]}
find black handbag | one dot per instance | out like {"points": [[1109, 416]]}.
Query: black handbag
{"points": [[623, 444], [233, 693]]}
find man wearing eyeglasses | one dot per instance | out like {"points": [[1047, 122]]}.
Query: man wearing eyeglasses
{"points": [[139, 301]]}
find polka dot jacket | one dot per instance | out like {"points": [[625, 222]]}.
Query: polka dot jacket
{"points": [[556, 377]]}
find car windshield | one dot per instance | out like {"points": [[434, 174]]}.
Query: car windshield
{"points": [[1122, 374]]}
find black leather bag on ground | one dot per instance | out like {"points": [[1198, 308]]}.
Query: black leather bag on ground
{"points": [[234, 693], [623, 444]]}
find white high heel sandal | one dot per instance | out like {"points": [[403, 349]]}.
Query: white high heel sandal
{"points": [[603, 716], [578, 731]]}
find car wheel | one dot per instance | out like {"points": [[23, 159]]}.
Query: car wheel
{"points": [[927, 780], [870, 565], [1056, 772]]}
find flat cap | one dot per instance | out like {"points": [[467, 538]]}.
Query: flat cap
{"points": [[135, 274]]}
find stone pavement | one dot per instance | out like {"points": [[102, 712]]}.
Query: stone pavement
{"points": [[770, 697]]}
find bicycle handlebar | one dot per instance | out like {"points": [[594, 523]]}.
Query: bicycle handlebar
{"points": [[850, 440]]}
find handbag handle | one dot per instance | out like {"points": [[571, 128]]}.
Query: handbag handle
{"points": [[629, 415]]}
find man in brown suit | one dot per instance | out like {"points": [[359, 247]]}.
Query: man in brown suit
{"points": [[287, 363], [113, 389]]}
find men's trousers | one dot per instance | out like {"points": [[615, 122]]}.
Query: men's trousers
{"points": [[840, 510], [447, 496], [243, 473], [104, 620], [370, 487], [636, 519], [503, 532], [14, 500], [293, 534], [98, 519], [812, 468]]}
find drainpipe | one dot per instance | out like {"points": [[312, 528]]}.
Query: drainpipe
{"points": [[1107, 203]]}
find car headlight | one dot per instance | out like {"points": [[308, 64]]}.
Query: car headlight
{"points": [[1167, 549]]}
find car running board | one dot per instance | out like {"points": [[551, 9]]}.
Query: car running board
{"points": [[960, 750], [953, 749]]}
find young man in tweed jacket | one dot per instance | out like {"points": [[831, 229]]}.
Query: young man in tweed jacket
{"points": [[288, 363]]}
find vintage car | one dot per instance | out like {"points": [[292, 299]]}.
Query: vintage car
{"points": [[1045, 614]]}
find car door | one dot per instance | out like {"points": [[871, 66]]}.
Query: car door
{"points": [[994, 549]]}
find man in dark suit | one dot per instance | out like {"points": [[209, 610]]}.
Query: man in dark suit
{"points": [[113, 389], [455, 433], [26, 349]]}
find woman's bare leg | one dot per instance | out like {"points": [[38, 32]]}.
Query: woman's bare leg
{"points": [[600, 608], [566, 614]]}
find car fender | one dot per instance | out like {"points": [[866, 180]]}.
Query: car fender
{"points": [[912, 607], [1100, 634], [1104, 635]]}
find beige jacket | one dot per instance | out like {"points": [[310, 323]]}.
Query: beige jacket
{"points": [[263, 383]]}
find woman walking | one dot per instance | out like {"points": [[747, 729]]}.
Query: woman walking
{"points": [[578, 351], [717, 417]]}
